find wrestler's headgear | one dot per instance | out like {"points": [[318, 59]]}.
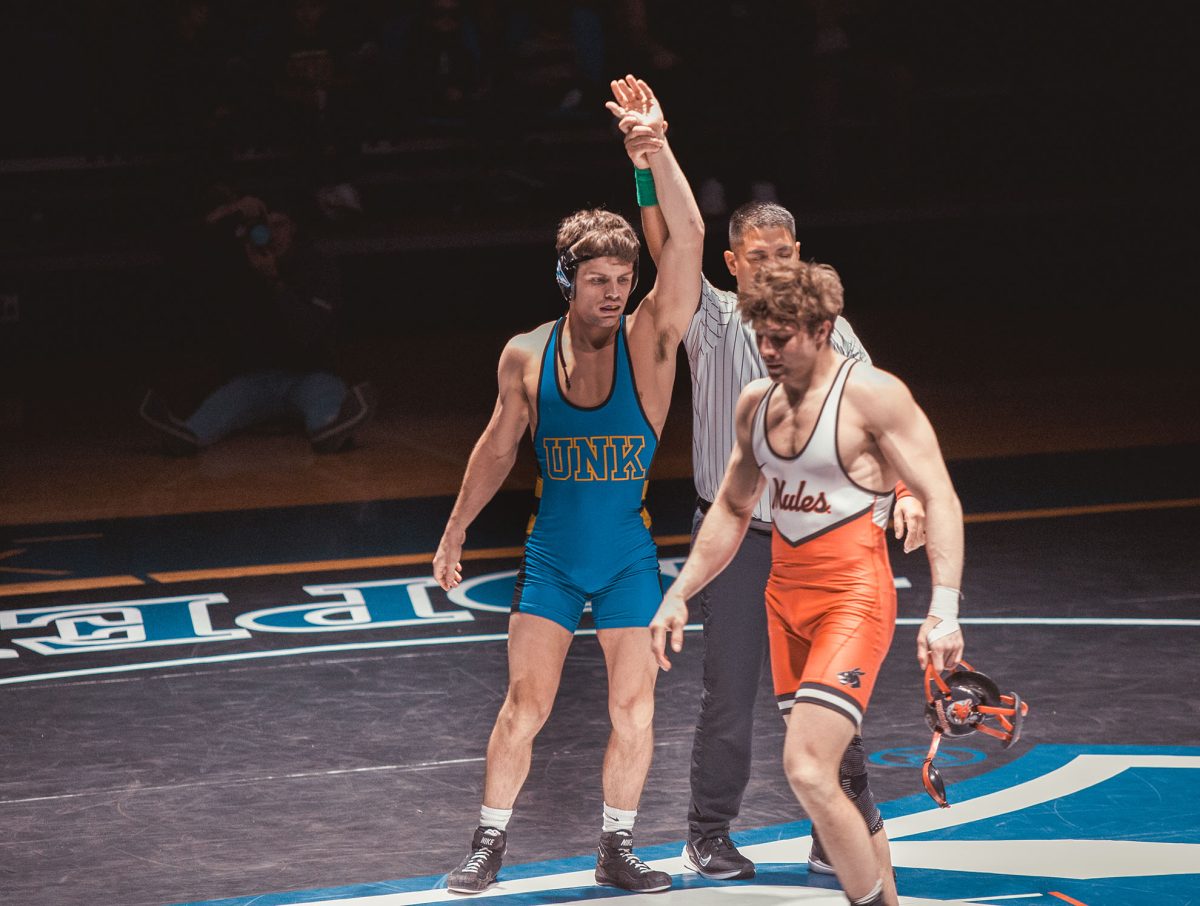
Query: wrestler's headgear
{"points": [[960, 704], [568, 268]]}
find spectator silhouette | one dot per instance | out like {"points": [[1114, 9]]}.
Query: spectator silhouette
{"points": [[268, 298]]}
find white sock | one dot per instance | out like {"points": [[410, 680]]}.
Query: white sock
{"points": [[616, 819], [494, 817]]}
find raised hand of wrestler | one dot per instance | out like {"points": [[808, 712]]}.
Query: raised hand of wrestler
{"points": [[640, 143], [671, 617], [636, 105]]}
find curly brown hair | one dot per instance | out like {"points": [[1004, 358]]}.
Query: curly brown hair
{"points": [[801, 293], [596, 233]]}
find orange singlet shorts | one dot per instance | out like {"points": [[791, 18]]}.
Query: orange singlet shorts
{"points": [[831, 614]]}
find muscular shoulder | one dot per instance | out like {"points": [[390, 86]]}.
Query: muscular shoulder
{"points": [[531, 342], [751, 396], [877, 394], [525, 349]]}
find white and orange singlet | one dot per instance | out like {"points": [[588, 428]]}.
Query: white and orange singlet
{"points": [[831, 599]]}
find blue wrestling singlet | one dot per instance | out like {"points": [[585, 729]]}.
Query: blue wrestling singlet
{"points": [[589, 538]]}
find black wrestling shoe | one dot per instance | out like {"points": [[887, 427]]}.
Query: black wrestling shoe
{"points": [[716, 858], [177, 439], [618, 866], [357, 410], [817, 860], [478, 870]]}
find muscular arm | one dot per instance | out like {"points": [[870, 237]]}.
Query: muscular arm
{"points": [[673, 300], [908, 518], [654, 228], [489, 464], [724, 527], [678, 239], [908, 443]]}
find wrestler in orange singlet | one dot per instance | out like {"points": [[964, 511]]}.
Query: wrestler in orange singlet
{"points": [[828, 438]]}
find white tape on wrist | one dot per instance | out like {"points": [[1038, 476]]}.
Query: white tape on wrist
{"points": [[944, 605]]}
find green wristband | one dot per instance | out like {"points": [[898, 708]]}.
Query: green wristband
{"points": [[644, 181]]}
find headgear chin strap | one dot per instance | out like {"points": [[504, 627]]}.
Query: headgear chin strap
{"points": [[568, 268], [959, 705]]}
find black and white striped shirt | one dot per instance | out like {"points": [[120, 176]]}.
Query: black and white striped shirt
{"points": [[723, 356]]}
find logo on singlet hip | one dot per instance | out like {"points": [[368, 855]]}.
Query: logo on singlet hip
{"points": [[851, 678], [798, 502], [615, 457]]}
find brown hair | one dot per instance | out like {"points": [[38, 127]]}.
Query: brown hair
{"points": [[800, 293], [596, 233]]}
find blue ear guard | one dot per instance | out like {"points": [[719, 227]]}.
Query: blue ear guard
{"points": [[564, 273], [568, 266]]}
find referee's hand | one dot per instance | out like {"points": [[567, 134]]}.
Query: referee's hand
{"points": [[672, 616]]}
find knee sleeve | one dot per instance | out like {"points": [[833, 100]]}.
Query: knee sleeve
{"points": [[852, 773]]}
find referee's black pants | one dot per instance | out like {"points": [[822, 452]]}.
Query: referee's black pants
{"points": [[735, 648], [734, 611]]}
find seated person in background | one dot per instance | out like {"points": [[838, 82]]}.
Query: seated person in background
{"points": [[269, 300]]}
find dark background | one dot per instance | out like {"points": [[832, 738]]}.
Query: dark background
{"points": [[1005, 188]]}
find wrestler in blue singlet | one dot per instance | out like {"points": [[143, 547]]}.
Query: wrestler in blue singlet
{"points": [[589, 539]]}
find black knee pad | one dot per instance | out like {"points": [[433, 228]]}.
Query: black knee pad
{"points": [[855, 784]]}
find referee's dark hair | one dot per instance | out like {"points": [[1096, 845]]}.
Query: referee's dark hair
{"points": [[759, 215]]}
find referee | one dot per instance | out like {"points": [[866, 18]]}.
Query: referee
{"points": [[723, 357]]}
